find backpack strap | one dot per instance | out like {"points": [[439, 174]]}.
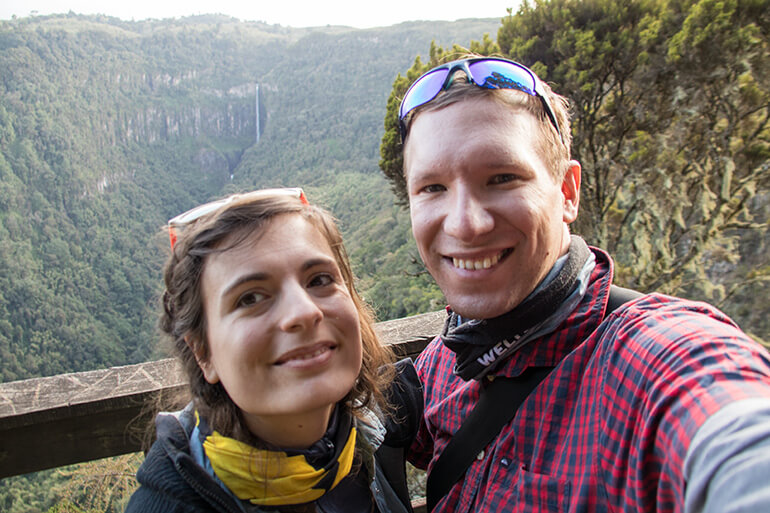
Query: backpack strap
{"points": [[619, 296], [479, 428], [497, 405]]}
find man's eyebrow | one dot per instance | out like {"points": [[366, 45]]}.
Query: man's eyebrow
{"points": [[429, 175]]}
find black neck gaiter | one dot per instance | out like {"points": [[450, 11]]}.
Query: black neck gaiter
{"points": [[480, 344]]}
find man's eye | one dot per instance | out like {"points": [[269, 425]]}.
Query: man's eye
{"points": [[504, 178], [250, 299], [434, 187], [321, 280]]}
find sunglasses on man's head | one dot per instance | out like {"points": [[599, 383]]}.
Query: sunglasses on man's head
{"points": [[196, 213], [485, 72]]}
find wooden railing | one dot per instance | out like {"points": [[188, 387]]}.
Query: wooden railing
{"points": [[73, 418]]}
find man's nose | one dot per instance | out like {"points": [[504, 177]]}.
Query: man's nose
{"points": [[468, 217], [298, 309]]}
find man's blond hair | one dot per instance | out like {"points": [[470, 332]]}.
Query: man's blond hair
{"points": [[554, 151]]}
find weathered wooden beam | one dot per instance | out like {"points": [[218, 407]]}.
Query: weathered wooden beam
{"points": [[71, 418]]}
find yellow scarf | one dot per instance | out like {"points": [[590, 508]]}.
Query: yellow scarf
{"points": [[274, 478]]}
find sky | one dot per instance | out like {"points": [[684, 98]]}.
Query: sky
{"points": [[293, 13]]}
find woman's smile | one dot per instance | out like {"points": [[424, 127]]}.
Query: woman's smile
{"points": [[307, 356]]}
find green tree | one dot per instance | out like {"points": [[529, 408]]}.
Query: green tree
{"points": [[671, 104], [101, 486]]}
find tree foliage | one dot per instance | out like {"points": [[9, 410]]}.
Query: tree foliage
{"points": [[102, 486], [108, 128], [670, 104]]}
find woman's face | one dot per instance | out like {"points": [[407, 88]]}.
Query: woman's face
{"points": [[283, 332]]}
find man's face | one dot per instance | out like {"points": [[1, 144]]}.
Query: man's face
{"points": [[488, 218]]}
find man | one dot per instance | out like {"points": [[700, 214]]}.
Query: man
{"points": [[660, 405]]}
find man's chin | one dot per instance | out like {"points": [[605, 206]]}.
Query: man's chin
{"points": [[480, 306]]}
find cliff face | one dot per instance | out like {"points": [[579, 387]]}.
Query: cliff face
{"points": [[182, 106], [146, 109], [213, 116]]}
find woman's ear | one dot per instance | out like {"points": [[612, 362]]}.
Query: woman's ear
{"points": [[207, 367]]}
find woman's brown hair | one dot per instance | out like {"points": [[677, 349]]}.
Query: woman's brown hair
{"points": [[183, 318]]}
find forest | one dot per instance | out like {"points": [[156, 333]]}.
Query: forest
{"points": [[108, 128]]}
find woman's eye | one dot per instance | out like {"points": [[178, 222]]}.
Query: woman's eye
{"points": [[250, 299]]}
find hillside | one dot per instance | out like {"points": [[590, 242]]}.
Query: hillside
{"points": [[108, 128]]}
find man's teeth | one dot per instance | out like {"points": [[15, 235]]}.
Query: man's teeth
{"points": [[484, 263]]}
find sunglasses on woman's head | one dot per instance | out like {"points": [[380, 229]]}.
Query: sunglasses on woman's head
{"points": [[485, 72], [196, 213]]}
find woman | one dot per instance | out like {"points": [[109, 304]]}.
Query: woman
{"points": [[290, 386]]}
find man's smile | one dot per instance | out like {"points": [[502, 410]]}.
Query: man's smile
{"points": [[480, 263]]}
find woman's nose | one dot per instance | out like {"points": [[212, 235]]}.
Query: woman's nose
{"points": [[299, 310]]}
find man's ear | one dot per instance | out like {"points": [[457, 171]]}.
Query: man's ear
{"points": [[208, 369], [570, 189]]}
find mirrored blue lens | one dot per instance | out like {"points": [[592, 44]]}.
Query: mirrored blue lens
{"points": [[424, 90], [501, 75]]}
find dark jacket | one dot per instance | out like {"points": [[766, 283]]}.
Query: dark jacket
{"points": [[172, 481]]}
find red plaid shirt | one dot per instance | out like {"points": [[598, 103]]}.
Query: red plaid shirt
{"points": [[609, 428]]}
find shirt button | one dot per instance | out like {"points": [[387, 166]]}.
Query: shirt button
{"points": [[505, 462], [480, 456]]}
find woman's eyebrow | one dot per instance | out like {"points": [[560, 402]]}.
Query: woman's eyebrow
{"points": [[244, 279], [260, 276]]}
